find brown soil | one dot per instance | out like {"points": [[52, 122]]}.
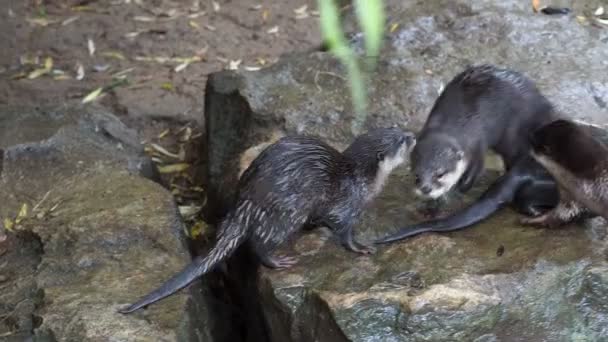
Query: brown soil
{"points": [[236, 30]]}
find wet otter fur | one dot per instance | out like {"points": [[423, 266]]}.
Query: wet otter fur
{"points": [[579, 163], [483, 107], [294, 182]]}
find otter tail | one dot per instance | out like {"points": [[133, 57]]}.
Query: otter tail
{"points": [[228, 242], [497, 196]]}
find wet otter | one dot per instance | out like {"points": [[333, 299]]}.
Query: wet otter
{"points": [[483, 107], [294, 182], [527, 187], [579, 163]]}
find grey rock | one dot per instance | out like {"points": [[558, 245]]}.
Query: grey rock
{"points": [[98, 234], [546, 285]]}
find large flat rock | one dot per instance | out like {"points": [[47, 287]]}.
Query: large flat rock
{"points": [[545, 286], [98, 233]]}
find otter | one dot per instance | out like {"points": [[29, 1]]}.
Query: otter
{"points": [[527, 186], [579, 163], [483, 107], [295, 182]]}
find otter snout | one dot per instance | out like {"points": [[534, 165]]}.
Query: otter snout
{"points": [[410, 139]]}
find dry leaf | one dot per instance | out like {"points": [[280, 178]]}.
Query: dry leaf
{"points": [[144, 19], [302, 9], [101, 67], [163, 133], [168, 86], [9, 224], [599, 11], [92, 95], [22, 213], [114, 54], [11, 13], [41, 21], [91, 46], [603, 21], [256, 7], [234, 65], [393, 27], [173, 168], [209, 27], [79, 72], [189, 210], [216, 6], [273, 30], [265, 15], [133, 34], [251, 68], [193, 24], [196, 15], [70, 20], [197, 229], [162, 150]]}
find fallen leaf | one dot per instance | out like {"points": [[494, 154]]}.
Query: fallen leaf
{"points": [[393, 27], [234, 65], [41, 21], [133, 34], [101, 68], [273, 30], [11, 13], [144, 19], [162, 150], [216, 6], [22, 213], [48, 66], [301, 9], [168, 86], [196, 15], [251, 68], [193, 24], [82, 8], [209, 27], [9, 224], [197, 229], [265, 15], [91, 46], [599, 11], [256, 7], [163, 133], [603, 21], [173, 168], [114, 54], [92, 95], [70, 20], [188, 210], [48, 63], [79, 72]]}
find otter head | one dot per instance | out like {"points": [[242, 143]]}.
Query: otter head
{"points": [[380, 151], [438, 163]]}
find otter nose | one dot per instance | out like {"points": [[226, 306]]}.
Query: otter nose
{"points": [[410, 138], [425, 189]]}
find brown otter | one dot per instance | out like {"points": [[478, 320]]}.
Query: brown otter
{"points": [[579, 163], [294, 182]]}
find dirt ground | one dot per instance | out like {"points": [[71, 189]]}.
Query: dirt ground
{"points": [[149, 42], [151, 58]]}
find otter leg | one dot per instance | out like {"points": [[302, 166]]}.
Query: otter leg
{"points": [[565, 212], [264, 249], [536, 198], [473, 172], [277, 262], [344, 232]]}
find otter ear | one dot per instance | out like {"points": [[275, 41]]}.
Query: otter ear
{"points": [[459, 153], [380, 156]]}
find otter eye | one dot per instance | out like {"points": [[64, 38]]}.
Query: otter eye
{"points": [[440, 174]]}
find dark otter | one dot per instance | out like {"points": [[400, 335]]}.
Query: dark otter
{"points": [[579, 163], [527, 186], [294, 182], [483, 107]]}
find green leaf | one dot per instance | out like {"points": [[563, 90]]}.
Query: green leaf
{"points": [[370, 14], [330, 24]]}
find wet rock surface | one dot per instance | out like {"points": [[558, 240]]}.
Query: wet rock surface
{"points": [[497, 281], [98, 233]]}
